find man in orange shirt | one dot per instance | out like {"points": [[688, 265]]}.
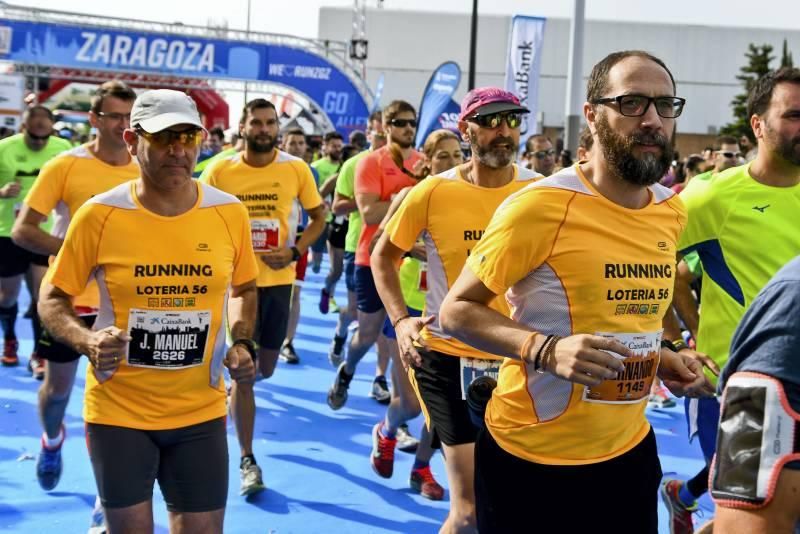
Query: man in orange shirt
{"points": [[378, 179], [64, 184]]}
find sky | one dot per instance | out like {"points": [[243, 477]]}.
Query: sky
{"points": [[301, 17]]}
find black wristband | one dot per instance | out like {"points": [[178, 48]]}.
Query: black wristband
{"points": [[295, 253], [666, 344], [537, 360], [248, 344]]}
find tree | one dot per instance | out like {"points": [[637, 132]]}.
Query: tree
{"points": [[758, 60], [786, 56]]}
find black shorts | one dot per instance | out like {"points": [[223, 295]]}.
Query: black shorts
{"points": [[367, 298], [190, 464], [15, 260], [338, 233], [272, 319], [438, 382], [55, 351], [350, 271], [616, 496]]}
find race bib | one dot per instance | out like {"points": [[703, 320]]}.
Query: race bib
{"points": [[422, 283], [167, 339], [340, 219], [265, 233], [472, 368], [634, 384]]}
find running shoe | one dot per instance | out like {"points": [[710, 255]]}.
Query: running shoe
{"points": [[380, 390], [337, 395], [288, 354], [49, 464], [680, 515], [422, 482], [36, 366], [324, 301], [659, 398], [98, 525], [405, 441], [336, 355], [334, 308], [382, 457], [250, 474], [10, 357]]}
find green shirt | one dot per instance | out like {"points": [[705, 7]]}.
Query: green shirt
{"points": [[744, 232], [410, 282], [20, 163], [345, 186], [200, 168], [326, 168]]}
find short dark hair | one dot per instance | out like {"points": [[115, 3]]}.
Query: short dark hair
{"points": [[693, 162], [115, 88], [219, 132], [586, 141], [293, 131], [331, 136], [395, 108], [375, 116], [725, 140], [598, 79], [257, 103], [31, 110], [761, 93], [534, 137], [358, 139]]}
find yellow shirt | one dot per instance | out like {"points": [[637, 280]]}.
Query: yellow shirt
{"points": [[451, 214], [570, 261], [165, 281], [65, 183], [269, 193]]}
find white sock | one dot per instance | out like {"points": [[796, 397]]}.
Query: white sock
{"points": [[55, 442]]}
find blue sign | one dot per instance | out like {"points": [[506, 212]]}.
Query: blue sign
{"points": [[185, 56], [448, 119], [439, 91]]}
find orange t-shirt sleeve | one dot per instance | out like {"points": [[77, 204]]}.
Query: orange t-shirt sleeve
{"points": [[48, 189], [411, 218], [368, 176], [307, 193]]}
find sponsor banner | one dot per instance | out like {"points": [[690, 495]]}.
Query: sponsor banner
{"points": [[523, 65], [61, 45], [438, 93]]}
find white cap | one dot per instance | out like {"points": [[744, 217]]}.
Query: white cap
{"points": [[159, 109]]}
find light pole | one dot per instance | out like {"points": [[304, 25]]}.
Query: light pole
{"points": [[473, 44], [574, 100], [248, 37]]}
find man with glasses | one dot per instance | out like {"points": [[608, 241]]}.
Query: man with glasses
{"points": [[742, 225], [377, 179], [274, 186], [540, 154], [21, 159], [171, 256], [450, 211], [566, 423], [64, 185]]}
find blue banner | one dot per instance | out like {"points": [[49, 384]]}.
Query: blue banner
{"points": [[60, 45], [439, 91], [523, 64], [448, 119]]}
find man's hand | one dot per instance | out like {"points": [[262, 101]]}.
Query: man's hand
{"points": [[704, 360], [277, 258], [240, 364], [106, 348], [408, 333], [10, 190], [582, 359], [683, 375]]}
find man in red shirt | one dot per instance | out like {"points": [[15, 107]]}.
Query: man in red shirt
{"points": [[378, 179]]}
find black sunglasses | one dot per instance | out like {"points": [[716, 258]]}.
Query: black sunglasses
{"points": [[544, 153], [730, 155], [496, 119], [402, 123], [668, 107]]}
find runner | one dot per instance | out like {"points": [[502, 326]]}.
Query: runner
{"points": [[442, 152], [269, 183], [64, 184], [450, 211], [377, 179], [726, 212], [21, 157], [326, 166], [165, 250], [583, 300]]}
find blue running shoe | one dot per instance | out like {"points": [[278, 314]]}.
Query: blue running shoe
{"points": [[98, 525], [48, 467]]}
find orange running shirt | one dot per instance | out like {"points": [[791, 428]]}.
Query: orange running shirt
{"points": [[165, 281], [569, 261], [270, 195], [377, 173], [451, 214]]}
